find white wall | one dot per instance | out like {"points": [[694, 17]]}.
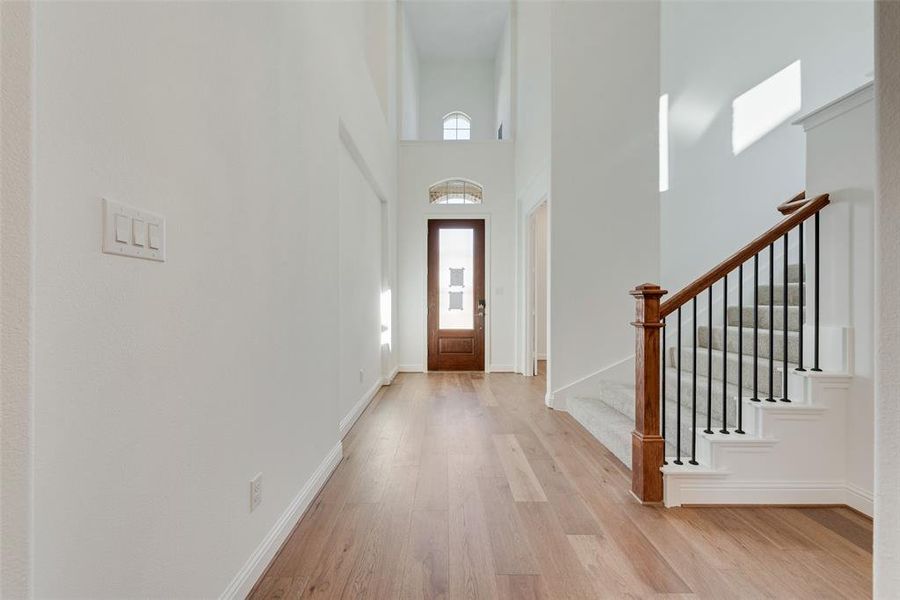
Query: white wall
{"points": [[450, 85], [532, 92], [359, 268], [491, 164], [887, 315], [711, 53], [604, 194], [540, 281], [531, 48], [163, 388], [16, 299], [409, 80], [503, 75]]}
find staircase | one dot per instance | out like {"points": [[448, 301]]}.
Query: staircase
{"points": [[722, 410], [609, 414]]}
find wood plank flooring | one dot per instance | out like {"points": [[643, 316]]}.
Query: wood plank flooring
{"points": [[464, 485]]}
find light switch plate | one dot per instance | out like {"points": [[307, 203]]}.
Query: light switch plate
{"points": [[139, 232], [113, 213]]}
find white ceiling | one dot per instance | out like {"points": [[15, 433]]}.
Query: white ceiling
{"points": [[460, 29]]}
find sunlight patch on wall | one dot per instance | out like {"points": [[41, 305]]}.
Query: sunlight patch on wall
{"points": [[761, 109], [663, 142], [386, 318]]}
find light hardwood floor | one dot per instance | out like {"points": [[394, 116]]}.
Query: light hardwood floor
{"points": [[464, 485]]}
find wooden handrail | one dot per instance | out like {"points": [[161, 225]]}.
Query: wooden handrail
{"points": [[793, 204], [799, 210]]}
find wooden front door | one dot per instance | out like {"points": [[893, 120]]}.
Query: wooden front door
{"points": [[456, 299]]}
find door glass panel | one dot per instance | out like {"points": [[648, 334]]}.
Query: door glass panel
{"points": [[456, 249]]}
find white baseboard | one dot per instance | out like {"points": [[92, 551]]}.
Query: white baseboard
{"points": [[391, 376], [541, 356], [861, 500], [710, 489], [621, 370], [244, 581], [555, 402], [412, 368], [502, 369], [358, 408]]}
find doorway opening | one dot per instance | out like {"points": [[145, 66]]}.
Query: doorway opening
{"points": [[538, 291], [456, 295]]}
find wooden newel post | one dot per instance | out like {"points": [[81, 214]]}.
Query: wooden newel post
{"points": [[647, 446]]}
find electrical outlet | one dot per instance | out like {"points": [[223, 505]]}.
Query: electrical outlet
{"points": [[255, 492], [362, 373]]}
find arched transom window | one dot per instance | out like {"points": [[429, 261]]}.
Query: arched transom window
{"points": [[455, 191], [457, 126]]}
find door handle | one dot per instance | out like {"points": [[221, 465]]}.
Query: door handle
{"points": [[481, 307]]}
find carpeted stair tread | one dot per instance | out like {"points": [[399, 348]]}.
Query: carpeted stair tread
{"points": [[762, 345]]}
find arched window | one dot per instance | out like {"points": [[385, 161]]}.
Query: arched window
{"points": [[455, 191], [457, 126]]}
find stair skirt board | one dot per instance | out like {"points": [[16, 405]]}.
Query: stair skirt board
{"points": [[708, 490]]}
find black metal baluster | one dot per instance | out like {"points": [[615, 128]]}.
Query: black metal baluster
{"points": [[802, 301], [709, 366], [769, 398], [678, 395], [693, 460], [724, 354], [816, 298], [755, 327], [784, 298], [662, 394], [740, 381]]}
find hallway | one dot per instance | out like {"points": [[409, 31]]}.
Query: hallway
{"points": [[461, 485]]}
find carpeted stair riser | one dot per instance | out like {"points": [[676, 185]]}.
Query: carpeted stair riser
{"points": [[703, 387], [747, 342], [686, 420], [611, 420], [610, 427], [778, 300], [793, 317], [732, 368], [621, 398]]}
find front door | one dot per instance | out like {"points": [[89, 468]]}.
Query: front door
{"points": [[456, 300]]}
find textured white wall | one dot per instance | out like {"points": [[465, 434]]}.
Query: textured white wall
{"points": [[887, 310], [604, 211], [711, 53], [450, 85], [16, 298], [492, 165], [163, 388]]}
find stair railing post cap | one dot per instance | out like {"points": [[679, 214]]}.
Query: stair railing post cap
{"points": [[648, 289]]}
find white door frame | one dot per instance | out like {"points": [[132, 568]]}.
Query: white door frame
{"points": [[530, 291]]}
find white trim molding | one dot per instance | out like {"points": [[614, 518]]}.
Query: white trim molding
{"points": [[847, 102], [621, 371], [246, 578], [389, 380], [351, 417]]}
